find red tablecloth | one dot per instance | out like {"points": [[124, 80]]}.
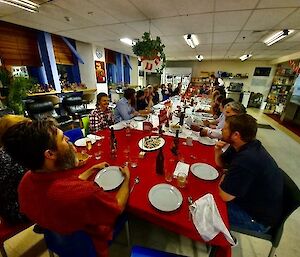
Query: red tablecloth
{"points": [[139, 205]]}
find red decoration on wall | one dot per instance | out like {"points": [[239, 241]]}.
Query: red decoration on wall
{"points": [[295, 67]]}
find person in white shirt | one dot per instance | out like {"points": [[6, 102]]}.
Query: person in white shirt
{"points": [[230, 109]]}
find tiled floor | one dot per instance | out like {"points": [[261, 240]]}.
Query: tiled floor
{"points": [[282, 145]]}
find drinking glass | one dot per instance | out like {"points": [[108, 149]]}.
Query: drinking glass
{"points": [[134, 162], [88, 145], [181, 179]]}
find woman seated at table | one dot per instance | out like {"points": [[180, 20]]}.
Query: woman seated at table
{"points": [[125, 106], [141, 103], [10, 176], [102, 116]]}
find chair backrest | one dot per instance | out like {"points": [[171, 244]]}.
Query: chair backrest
{"points": [[74, 134], [73, 105], [138, 251], [49, 98], [86, 124], [77, 244], [291, 201], [88, 97], [41, 110]]}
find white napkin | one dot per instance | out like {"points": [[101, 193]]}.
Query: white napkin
{"points": [[181, 167], [207, 219]]}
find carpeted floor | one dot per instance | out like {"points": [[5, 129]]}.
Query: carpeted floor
{"points": [[287, 124]]}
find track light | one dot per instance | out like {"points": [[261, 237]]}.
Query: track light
{"points": [[245, 57], [191, 40], [26, 5], [278, 36], [199, 57]]}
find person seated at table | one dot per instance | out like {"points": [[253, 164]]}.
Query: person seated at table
{"points": [[101, 117], [177, 90], [219, 122], [156, 97], [52, 194], [253, 183], [230, 109], [141, 105], [148, 92], [11, 174], [125, 106]]}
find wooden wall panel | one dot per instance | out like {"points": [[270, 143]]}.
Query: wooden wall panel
{"points": [[63, 54], [18, 45]]}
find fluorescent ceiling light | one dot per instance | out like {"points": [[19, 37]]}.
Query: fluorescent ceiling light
{"points": [[127, 41], [278, 36], [23, 4], [199, 57], [191, 40], [245, 57]]}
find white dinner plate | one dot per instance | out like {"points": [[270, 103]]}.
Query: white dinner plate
{"points": [[91, 136], [109, 178], [139, 118], [82, 141], [204, 171], [145, 148], [118, 126], [207, 141], [165, 197], [158, 106]]}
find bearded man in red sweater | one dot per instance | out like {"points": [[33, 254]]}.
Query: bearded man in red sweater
{"points": [[52, 194]]}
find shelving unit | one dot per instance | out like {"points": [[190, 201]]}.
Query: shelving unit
{"points": [[282, 82]]}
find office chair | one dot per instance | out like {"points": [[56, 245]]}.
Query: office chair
{"points": [[138, 251], [291, 201]]}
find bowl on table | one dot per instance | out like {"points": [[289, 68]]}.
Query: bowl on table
{"points": [[175, 127]]}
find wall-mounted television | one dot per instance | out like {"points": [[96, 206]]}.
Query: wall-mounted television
{"points": [[262, 71]]}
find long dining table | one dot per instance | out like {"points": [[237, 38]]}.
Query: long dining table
{"points": [[177, 221]]}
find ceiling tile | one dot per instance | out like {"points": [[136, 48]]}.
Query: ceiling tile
{"points": [[249, 36], [230, 21], [241, 46], [142, 26], [230, 5], [267, 18], [294, 38], [224, 37], [290, 22], [278, 3], [193, 6]]}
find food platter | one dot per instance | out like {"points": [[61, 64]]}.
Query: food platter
{"points": [[151, 143]]}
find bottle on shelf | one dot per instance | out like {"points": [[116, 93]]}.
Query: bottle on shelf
{"points": [[160, 163]]}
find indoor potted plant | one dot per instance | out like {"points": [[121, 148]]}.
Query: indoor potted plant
{"points": [[150, 49], [17, 92]]}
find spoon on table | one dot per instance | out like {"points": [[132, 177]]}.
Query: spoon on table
{"points": [[190, 201], [136, 181]]}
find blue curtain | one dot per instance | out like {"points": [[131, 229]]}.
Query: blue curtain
{"points": [[111, 73], [127, 68], [119, 68]]}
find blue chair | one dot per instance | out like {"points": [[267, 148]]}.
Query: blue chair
{"points": [[138, 251], [74, 134], [77, 244]]}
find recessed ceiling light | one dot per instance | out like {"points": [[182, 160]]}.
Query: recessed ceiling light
{"points": [[199, 57], [127, 41], [26, 5]]}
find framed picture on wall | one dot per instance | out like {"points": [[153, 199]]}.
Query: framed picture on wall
{"points": [[100, 72]]}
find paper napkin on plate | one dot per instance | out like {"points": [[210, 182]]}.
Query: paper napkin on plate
{"points": [[207, 219], [181, 167]]}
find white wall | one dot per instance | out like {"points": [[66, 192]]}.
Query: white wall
{"points": [[233, 67], [87, 70], [134, 73]]}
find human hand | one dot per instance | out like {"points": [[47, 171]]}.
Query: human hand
{"points": [[206, 123], [219, 145], [100, 166], [125, 171], [203, 132]]}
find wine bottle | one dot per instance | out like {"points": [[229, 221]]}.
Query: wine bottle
{"points": [[160, 163], [113, 143]]}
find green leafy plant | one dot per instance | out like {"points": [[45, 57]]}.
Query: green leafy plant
{"points": [[5, 76], [17, 92], [148, 49]]}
